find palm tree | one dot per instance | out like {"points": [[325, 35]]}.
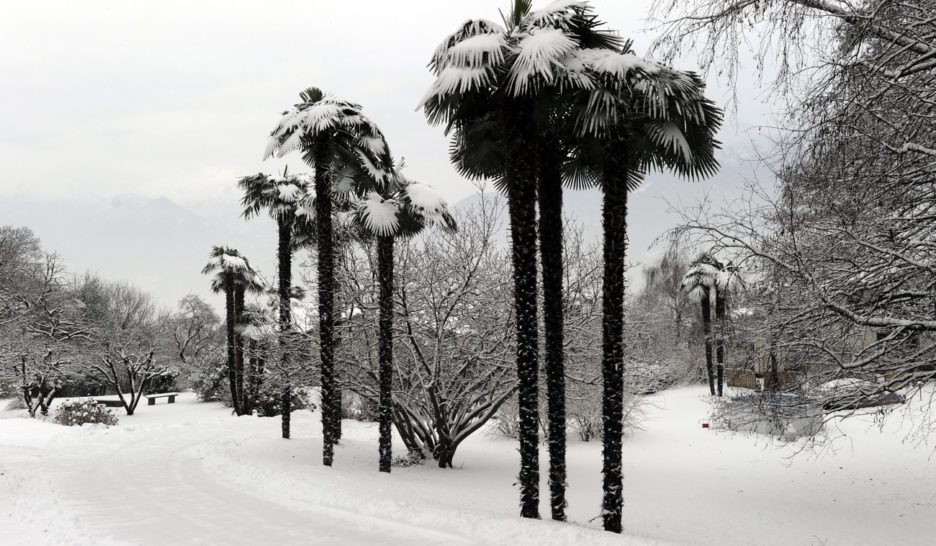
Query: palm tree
{"points": [[348, 153], [281, 197], [701, 281], [233, 276], [404, 211], [725, 281], [639, 116], [491, 90], [257, 327]]}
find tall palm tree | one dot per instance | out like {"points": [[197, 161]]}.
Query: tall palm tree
{"points": [[281, 198], [701, 281], [405, 210], [348, 153], [233, 276], [639, 116], [491, 90]]}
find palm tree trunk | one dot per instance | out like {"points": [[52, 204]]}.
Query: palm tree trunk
{"points": [[614, 220], [286, 409], [284, 265], [231, 318], [707, 334], [385, 406], [521, 196], [720, 338], [326, 283], [550, 244], [239, 350]]}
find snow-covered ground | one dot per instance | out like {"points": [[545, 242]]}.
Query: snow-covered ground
{"points": [[190, 473]]}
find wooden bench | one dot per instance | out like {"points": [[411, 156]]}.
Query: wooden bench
{"points": [[110, 403], [151, 398]]}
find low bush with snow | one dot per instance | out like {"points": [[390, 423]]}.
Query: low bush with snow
{"points": [[82, 412]]}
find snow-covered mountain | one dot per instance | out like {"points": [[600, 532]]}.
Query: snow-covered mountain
{"points": [[152, 242]]}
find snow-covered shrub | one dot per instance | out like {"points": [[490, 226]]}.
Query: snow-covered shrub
{"points": [[648, 377], [15, 404], [586, 421], [81, 412], [410, 459], [210, 383], [269, 403], [583, 409], [359, 408], [782, 415]]}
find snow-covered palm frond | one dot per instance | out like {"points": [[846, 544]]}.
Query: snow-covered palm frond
{"points": [[344, 179], [378, 215], [426, 205], [376, 172], [278, 195], [460, 80], [622, 66], [469, 29], [729, 277], [259, 332], [702, 275], [288, 192], [478, 51], [556, 13], [539, 56], [305, 208], [309, 120], [375, 144], [668, 135]]}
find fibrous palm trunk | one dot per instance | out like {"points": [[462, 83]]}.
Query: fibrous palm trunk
{"points": [[521, 195], [614, 220], [385, 405], [231, 318], [326, 282], [706, 301], [239, 350], [284, 265], [256, 375], [720, 339], [550, 238]]}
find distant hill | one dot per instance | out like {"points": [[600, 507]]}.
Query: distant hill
{"points": [[152, 242], [162, 246]]}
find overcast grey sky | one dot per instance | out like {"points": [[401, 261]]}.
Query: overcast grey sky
{"points": [[175, 98]]}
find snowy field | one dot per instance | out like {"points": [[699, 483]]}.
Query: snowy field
{"points": [[190, 473]]}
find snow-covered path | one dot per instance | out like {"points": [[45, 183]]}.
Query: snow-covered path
{"points": [[144, 488], [143, 485], [190, 473]]}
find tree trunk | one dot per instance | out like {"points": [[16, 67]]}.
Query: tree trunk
{"points": [[720, 338], [444, 454], [255, 379], [385, 342], [284, 265], [707, 334], [239, 349], [286, 409], [614, 220], [550, 244], [521, 189], [231, 317], [326, 282]]}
